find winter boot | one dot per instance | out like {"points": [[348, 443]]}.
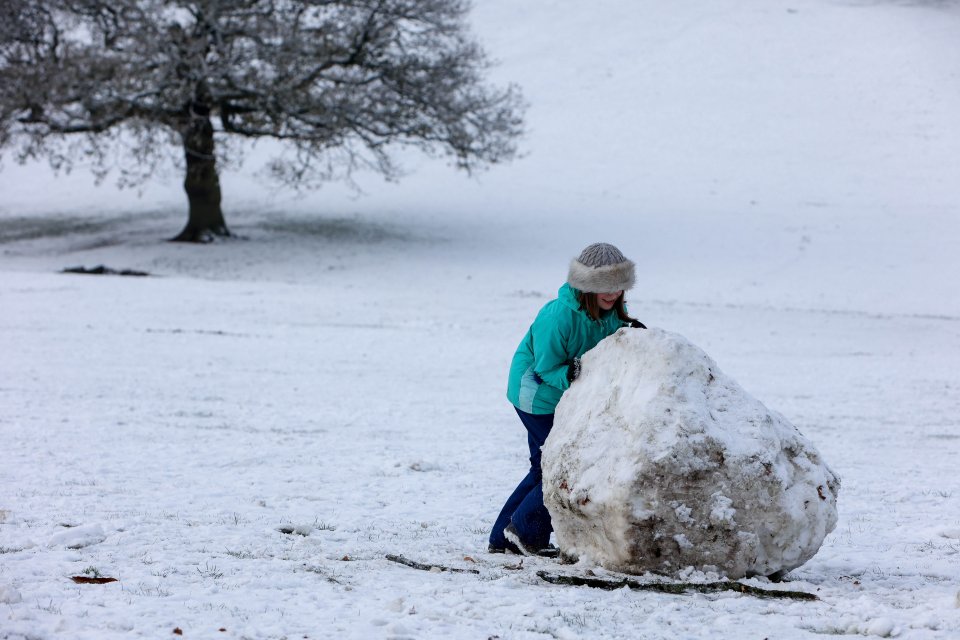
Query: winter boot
{"points": [[510, 533]]}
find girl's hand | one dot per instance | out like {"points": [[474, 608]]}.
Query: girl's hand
{"points": [[573, 370]]}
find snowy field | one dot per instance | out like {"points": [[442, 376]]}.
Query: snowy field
{"points": [[782, 173]]}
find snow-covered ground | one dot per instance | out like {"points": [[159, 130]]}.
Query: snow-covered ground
{"points": [[784, 175]]}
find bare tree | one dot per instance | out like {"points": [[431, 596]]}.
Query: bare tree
{"points": [[341, 82]]}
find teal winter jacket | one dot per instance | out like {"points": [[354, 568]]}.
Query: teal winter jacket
{"points": [[561, 332]]}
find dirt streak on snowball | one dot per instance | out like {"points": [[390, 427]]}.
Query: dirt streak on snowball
{"points": [[657, 461]]}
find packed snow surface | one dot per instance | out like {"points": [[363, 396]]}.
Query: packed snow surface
{"points": [[658, 461]]}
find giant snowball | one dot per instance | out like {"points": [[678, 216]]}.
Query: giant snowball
{"points": [[657, 461]]}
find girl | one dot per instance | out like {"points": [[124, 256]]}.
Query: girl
{"points": [[588, 308]]}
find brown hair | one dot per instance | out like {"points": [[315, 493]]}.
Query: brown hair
{"points": [[589, 303]]}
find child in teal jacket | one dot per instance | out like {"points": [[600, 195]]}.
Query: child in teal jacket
{"points": [[588, 308]]}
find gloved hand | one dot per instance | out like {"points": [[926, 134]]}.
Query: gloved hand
{"points": [[573, 370], [636, 324]]}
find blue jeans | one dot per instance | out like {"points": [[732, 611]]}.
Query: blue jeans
{"points": [[524, 507]]}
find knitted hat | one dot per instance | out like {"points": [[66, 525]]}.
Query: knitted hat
{"points": [[601, 268]]}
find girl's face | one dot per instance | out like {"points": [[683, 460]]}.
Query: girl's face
{"points": [[607, 300]]}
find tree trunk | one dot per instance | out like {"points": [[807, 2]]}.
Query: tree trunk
{"points": [[201, 183]]}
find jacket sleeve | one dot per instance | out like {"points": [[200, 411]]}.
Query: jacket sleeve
{"points": [[550, 357]]}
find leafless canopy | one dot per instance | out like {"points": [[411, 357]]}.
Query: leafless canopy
{"points": [[341, 81]]}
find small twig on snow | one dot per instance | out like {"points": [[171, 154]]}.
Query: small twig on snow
{"points": [[89, 580], [435, 568], [677, 588]]}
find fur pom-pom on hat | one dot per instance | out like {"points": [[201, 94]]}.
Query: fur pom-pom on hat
{"points": [[601, 268]]}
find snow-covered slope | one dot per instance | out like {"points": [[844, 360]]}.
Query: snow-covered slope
{"points": [[783, 174], [782, 152]]}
